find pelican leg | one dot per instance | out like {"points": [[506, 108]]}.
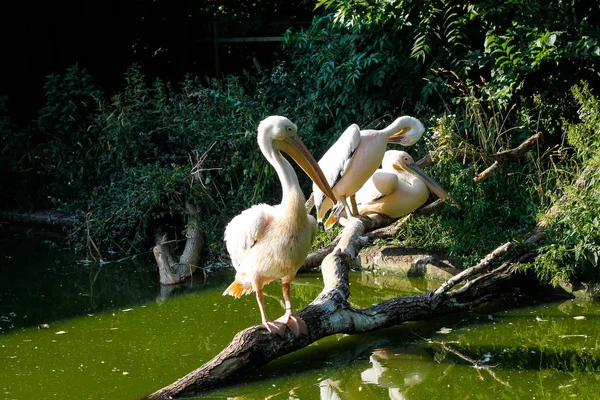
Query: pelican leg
{"points": [[346, 207], [296, 324], [354, 205], [272, 327]]}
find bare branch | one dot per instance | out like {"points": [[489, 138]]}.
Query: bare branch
{"points": [[470, 154], [516, 153], [487, 172], [474, 270]]}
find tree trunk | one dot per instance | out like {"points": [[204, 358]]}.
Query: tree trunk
{"points": [[172, 272]]}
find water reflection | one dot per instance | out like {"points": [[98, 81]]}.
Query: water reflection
{"points": [[166, 291], [329, 389], [396, 372]]}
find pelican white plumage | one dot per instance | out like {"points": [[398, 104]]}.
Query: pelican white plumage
{"points": [[356, 155], [395, 190], [266, 242]]}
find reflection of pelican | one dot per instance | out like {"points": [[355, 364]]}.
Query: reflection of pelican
{"points": [[328, 390], [355, 156], [374, 374], [397, 189], [408, 368], [271, 242]]}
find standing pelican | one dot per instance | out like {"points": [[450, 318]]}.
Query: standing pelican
{"points": [[355, 157], [266, 242], [395, 190]]}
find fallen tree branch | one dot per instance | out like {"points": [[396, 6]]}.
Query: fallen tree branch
{"points": [[330, 313], [47, 218], [487, 172], [470, 154], [474, 270]]}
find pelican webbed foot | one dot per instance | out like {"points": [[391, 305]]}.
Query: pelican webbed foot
{"points": [[296, 324], [277, 327]]}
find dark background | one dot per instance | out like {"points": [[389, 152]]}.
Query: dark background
{"points": [[167, 38]]}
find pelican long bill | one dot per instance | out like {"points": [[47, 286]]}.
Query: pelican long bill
{"points": [[296, 149], [398, 136], [431, 184]]}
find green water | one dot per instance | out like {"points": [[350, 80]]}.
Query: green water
{"points": [[112, 335]]}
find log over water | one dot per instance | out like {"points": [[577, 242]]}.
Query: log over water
{"points": [[330, 313]]}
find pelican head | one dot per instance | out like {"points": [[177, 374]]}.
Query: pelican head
{"points": [[402, 161], [405, 131], [279, 134]]}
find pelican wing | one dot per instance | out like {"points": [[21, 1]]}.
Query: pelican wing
{"points": [[335, 161], [245, 230], [380, 184]]}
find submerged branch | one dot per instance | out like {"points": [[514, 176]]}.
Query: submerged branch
{"points": [[479, 365]]}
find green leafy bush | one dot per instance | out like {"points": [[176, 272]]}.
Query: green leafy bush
{"points": [[162, 146], [572, 247], [66, 144], [487, 213], [127, 163]]}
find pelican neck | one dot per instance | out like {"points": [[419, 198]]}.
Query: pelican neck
{"points": [[292, 196]]}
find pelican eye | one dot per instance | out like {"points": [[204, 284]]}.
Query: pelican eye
{"points": [[289, 129]]}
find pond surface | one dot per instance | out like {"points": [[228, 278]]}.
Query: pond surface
{"points": [[111, 334]]}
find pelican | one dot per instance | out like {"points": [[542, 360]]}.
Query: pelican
{"points": [[395, 190], [266, 242], [355, 156]]}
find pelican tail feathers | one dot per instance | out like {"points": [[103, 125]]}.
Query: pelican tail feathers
{"points": [[237, 289]]}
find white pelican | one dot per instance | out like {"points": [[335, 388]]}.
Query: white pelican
{"points": [[395, 190], [266, 242], [356, 155]]}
